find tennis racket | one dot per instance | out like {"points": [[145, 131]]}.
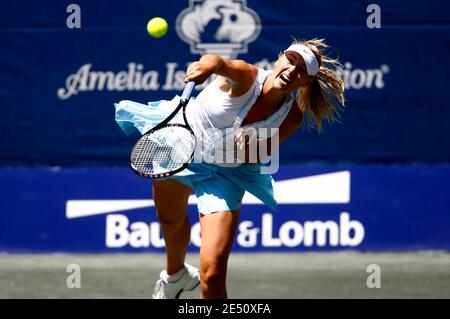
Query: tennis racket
{"points": [[167, 148]]}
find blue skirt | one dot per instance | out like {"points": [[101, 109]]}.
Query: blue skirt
{"points": [[217, 188]]}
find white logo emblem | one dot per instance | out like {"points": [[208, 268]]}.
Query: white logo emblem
{"points": [[329, 188], [223, 27]]}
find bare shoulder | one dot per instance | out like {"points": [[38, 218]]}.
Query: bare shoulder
{"points": [[237, 76], [241, 66]]}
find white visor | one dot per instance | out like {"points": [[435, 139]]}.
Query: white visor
{"points": [[312, 65]]}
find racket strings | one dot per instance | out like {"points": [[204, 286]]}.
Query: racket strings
{"points": [[164, 150]]}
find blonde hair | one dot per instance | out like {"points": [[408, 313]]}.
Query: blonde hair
{"points": [[323, 98]]}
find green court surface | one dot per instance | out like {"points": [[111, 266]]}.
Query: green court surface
{"points": [[250, 276]]}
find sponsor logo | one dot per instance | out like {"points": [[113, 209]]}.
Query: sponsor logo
{"points": [[223, 27], [331, 188], [133, 79], [344, 233], [136, 78]]}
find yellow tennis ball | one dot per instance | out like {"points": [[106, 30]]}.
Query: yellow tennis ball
{"points": [[157, 27]]}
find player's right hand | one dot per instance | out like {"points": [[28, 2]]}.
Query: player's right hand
{"points": [[199, 71]]}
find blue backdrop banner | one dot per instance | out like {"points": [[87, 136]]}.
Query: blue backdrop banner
{"points": [[320, 208], [62, 67]]}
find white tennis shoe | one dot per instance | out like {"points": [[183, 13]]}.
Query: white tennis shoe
{"points": [[168, 289]]}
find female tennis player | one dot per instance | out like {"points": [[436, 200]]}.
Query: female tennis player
{"points": [[303, 86]]}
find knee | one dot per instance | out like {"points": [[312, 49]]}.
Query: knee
{"points": [[213, 274]]}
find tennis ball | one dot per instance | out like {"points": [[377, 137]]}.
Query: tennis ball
{"points": [[157, 27]]}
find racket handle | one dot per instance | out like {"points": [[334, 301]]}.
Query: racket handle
{"points": [[188, 90]]}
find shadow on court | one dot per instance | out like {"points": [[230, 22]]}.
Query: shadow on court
{"points": [[252, 276]]}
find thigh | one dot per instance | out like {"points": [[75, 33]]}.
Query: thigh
{"points": [[218, 231], [171, 199]]}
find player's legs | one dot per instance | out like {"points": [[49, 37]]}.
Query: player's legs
{"points": [[171, 200], [218, 231]]}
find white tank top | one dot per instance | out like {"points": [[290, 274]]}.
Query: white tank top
{"points": [[213, 113]]}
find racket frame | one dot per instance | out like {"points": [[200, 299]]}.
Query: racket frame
{"points": [[183, 102]]}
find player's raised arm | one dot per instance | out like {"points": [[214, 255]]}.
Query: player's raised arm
{"points": [[239, 74]]}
